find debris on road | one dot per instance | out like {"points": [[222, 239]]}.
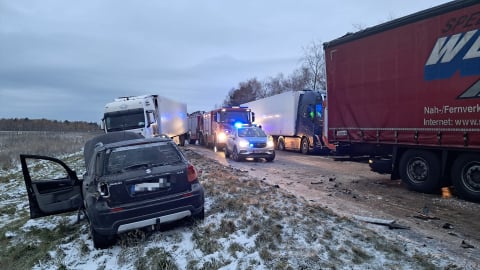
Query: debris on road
{"points": [[391, 224]]}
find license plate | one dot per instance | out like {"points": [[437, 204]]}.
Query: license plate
{"points": [[144, 187]]}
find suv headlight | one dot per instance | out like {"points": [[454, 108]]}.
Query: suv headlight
{"points": [[243, 143]]}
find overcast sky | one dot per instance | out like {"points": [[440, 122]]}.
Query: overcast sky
{"points": [[64, 60]]}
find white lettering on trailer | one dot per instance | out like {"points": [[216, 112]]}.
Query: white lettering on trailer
{"points": [[447, 48], [474, 51]]}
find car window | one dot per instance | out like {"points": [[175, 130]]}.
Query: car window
{"points": [[251, 132], [143, 156], [242, 132]]}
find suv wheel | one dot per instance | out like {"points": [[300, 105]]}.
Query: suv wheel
{"points": [[235, 155], [100, 241]]}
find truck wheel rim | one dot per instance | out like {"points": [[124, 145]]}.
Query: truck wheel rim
{"points": [[417, 170], [471, 176]]}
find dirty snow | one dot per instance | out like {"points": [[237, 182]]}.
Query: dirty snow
{"points": [[308, 237]]}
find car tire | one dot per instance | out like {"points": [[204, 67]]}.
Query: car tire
{"points": [[199, 216], [270, 158], [227, 154], [100, 241], [235, 155]]}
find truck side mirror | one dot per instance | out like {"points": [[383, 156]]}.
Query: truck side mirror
{"points": [[150, 118], [253, 117]]}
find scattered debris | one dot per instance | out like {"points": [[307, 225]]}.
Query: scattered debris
{"points": [[316, 183], [425, 217], [466, 245], [392, 224], [447, 226], [331, 179], [446, 193], [426, 210]]}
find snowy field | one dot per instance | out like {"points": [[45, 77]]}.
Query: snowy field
{"points": [[249, 225]]}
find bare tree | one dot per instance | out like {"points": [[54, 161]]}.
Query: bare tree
{"points": [[300, 79], [246, 92], [314, 62], [275, 85]]}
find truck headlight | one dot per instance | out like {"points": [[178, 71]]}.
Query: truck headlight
{"points": [[270, 143], [221, 137]]}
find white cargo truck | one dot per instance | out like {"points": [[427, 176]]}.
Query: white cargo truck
{"points": [[148, 115], [294, 119]]}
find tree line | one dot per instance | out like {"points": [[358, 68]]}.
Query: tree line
{"points": [[310, 75], [26, 124]]}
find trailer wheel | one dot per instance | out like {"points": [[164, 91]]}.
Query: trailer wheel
{"points": [[304, 146], [420, 170], [202, 140], [466, 176], [182, 140], [281, 144]]}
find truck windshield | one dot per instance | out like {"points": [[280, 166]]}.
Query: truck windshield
{"points": [[124, 120], [233, 117]]}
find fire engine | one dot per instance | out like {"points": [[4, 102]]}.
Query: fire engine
{"points": [[212, 129]]}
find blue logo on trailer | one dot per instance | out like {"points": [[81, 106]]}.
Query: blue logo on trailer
{"points": [[459, 52]]}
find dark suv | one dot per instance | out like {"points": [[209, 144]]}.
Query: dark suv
{"points": [[130, 183]]}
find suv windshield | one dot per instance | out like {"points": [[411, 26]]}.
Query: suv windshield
{"points": [[140, 156], [251, 132]]}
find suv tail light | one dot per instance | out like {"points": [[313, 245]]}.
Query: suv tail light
{"points": [[191, 173], [102, 189]]}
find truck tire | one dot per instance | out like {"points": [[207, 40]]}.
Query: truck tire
{"points": [[181, 140], [281, 144], [466, 176], [304, 146], [420, 170]]}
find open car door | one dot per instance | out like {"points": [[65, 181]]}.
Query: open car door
{"points": [[48, 193]]}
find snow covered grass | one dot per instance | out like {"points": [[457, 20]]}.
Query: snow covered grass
{"points": [[248, 225], [14, 143]]}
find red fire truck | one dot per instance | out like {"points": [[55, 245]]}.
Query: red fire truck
{"points": [[218, 123]]}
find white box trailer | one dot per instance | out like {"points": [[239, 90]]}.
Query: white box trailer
{"points": [[294, 119], [148, 115]]}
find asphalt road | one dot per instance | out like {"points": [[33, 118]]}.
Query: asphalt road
{"points": [[350, 189]]}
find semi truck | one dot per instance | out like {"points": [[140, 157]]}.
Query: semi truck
{"points": [[219, 122], [294, 119], [408, 92], [148, 115]]}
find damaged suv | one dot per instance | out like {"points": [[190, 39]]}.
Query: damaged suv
{"points": [[130, 183]]}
